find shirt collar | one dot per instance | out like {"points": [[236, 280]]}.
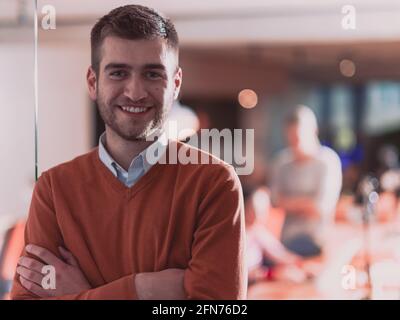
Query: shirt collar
{"points": [[159, 146]]}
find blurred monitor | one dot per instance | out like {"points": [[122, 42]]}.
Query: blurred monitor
{"points": [[382, 107]]}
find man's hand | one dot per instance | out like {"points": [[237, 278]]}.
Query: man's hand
{"points": [[69, 277], [162, 285]]}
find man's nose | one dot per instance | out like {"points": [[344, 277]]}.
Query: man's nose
{"points": [[135, 89]]}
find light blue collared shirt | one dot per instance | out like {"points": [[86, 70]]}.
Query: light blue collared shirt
{"points": [[139, 165]]}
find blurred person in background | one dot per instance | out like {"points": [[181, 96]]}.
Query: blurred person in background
{"points": [[388, 159], [306, 183], [267, 258], [385, 180], [388, 175]]}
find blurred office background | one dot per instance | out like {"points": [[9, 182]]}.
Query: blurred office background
{"points": [[283, 53]]}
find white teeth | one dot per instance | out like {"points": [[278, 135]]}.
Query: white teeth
{"points": [[134, 109]]}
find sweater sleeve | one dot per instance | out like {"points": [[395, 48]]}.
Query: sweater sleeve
{"points": [[217, 267], [42, 229]]}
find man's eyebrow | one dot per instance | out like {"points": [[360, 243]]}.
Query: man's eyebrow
{"points": [[114, 65], [154, 66]]}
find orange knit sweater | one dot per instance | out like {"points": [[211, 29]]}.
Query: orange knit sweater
{"points": [[176, 216]]}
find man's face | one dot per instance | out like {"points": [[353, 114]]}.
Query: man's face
{"points": [[136, 85], [293, 135], [301, 137]]}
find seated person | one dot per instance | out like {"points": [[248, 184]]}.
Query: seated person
{"points": [[267, 258]]}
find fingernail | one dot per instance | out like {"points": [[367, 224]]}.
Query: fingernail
{"points": [[28, 248]]}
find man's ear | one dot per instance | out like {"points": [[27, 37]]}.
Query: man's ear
{"points": [[91, 80], [178, 83]]}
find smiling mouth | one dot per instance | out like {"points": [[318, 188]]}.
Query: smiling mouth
{"points": [[134, 110]]}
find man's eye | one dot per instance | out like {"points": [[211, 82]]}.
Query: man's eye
{"points": [[118, 74], [153, 75]]}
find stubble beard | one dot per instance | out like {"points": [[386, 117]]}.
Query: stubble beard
{"points": [[133, 131]]}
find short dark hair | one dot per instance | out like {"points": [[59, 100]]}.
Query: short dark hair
{"points": [[133, 22], [301, 113]]}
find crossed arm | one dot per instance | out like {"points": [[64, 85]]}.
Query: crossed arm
{"points": [[215, 271], [70, 280], [320, 204]]}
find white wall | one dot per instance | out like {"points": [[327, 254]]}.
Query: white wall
{"points": [[65, 123], [256, 21], [16, 129]]}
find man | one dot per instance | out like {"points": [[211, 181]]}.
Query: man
{"points": [[113, 224], [306, 183]]}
